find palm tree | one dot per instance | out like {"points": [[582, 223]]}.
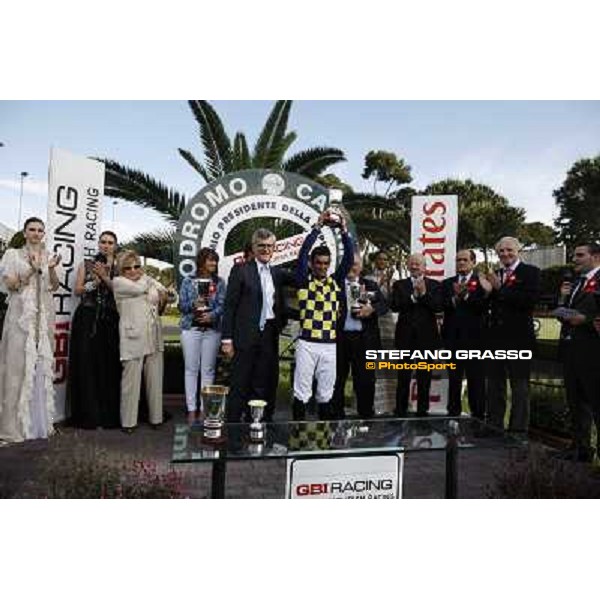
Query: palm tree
{"points": [[221, 156], [381, 221]]}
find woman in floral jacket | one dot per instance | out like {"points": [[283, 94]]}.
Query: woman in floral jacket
{"points": [[201, 301]]}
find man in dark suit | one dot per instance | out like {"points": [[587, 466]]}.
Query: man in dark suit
{"points": [[515, 292], [580, 348], [465, 312], [254, 315], [358, 330], [417, 300]]}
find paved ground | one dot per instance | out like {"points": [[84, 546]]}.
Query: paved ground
{"points": [[22, 464]]}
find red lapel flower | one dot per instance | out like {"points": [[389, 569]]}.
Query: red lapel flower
{"points": [[591, 286], [472, 285], [512, 279]]}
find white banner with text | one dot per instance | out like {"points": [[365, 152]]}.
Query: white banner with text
{"points": [[373, 477], [75, 192], [434, 223]]}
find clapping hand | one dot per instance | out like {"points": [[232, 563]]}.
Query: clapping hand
{"points": [[54, 261], [420, 287], [485, 284], [35, 262], [100, 270], [459, 288], [494, 280]]}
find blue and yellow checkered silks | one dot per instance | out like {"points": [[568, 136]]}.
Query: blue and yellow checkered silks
{"points": [[319, 306]]}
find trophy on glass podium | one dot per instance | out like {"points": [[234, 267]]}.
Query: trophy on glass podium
{"points": [[214, 398], [257, 428], [201, 303]]}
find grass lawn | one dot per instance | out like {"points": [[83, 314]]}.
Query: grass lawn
{"points": [[549, 328], [170, 321]]}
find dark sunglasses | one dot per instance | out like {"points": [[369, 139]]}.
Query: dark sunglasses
{"points": [[132, 268]]}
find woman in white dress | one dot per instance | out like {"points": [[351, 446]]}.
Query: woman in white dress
{"points": [[26, 349]]}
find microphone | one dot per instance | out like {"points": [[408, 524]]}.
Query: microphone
{"points": [[568, 276]]}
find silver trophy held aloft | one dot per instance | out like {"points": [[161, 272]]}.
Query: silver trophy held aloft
{"points": [[201, 303], [214, 398], [257, 428], [334, 214]]}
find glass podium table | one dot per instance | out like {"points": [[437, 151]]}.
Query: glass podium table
{"points": [[318, 439]]}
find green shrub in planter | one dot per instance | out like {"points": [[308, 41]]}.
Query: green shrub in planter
{"points": [[88, 472], [539, 475]]}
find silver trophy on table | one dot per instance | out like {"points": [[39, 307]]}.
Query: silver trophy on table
{"points": [[214, 398], [257, 427]]}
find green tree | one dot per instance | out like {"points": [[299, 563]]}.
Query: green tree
{"points": [[165, 276], [383, 219], [220, 156], [386, 167], [332, 181], [578, 202], [483, 215], [537, 234]]}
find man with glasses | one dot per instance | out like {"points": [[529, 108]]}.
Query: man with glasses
{"points": [[254, 315]]}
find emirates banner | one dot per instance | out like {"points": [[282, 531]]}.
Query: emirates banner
{"points": [[75, 192], [434, 224]]}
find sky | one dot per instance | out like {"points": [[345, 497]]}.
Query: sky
{"points": [[522, 149]]}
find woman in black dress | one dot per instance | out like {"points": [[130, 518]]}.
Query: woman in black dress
{"points": [[93, 392]]}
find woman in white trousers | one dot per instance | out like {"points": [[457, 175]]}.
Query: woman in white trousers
{"points": [[201, 302], [140, 300]]}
